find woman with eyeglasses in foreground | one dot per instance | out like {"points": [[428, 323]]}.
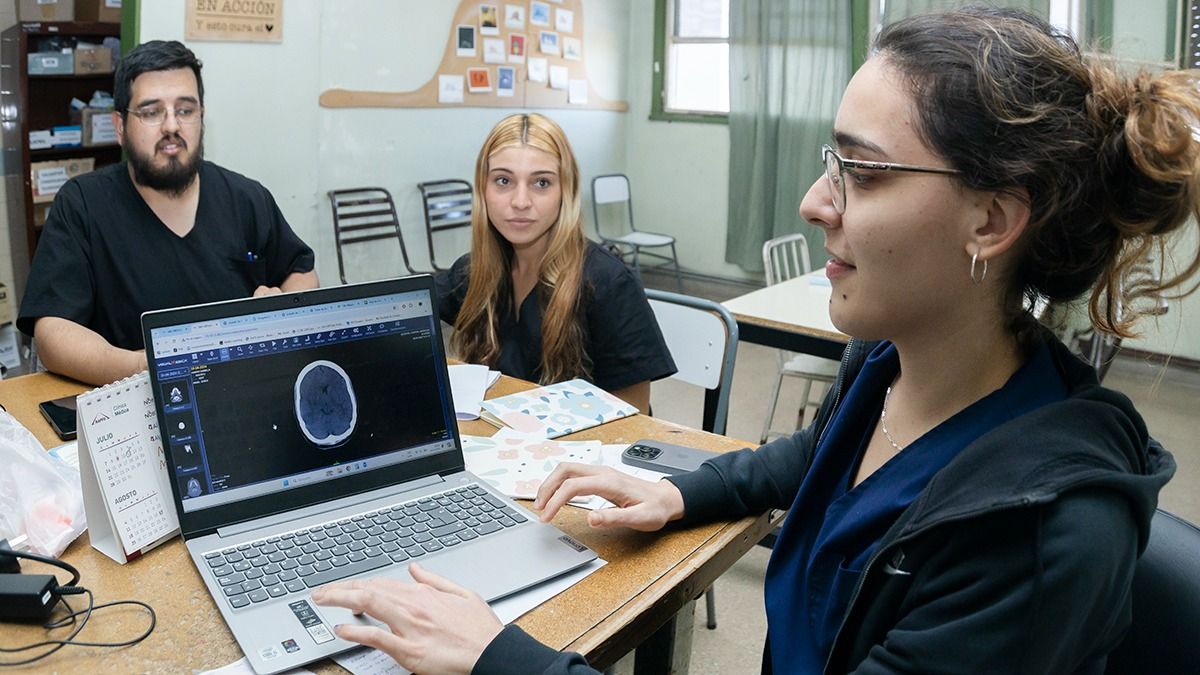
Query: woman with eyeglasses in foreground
{"points": [[969, 499]]}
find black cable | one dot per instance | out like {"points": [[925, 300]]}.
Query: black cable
{"points": [[69, 619]]}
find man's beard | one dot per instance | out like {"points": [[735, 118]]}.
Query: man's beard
{"points": [[176, 176]]}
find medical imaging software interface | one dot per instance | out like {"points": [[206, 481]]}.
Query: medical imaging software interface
{"points": [[266, 402]]}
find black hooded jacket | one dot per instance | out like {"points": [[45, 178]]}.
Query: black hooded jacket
{"points": [[1017, 557]]}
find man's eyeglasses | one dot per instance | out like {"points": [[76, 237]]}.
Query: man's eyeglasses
{"points": [[836, 167], [190, 114]]}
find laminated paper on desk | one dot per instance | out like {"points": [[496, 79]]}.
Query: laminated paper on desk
{"points": [[556, 409], [126, 488]]}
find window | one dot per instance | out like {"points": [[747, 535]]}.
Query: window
{"points": [[691, 65]]}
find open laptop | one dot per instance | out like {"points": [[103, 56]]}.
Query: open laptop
{"points": [[311, 437]]}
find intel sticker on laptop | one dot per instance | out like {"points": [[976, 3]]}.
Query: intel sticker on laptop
{"points": [[312, 623]]}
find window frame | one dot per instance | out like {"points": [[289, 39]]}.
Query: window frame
{"points": [[658, 94]]}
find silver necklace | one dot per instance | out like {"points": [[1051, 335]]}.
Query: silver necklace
{"points": [[883, 423]]}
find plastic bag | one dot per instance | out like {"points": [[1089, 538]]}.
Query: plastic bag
{"points": [[40, 495]]}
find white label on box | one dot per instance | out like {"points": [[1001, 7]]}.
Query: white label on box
{"points": [[49, 62], [68, 136], [47, 2], [114, 4], [103, 130], [50, 180], [40, 140]]}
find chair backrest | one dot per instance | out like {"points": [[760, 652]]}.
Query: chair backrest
{"points": [[702, 337], [1166, 603], [785, 257], [362, 215], [447, 205], [611, 189]]}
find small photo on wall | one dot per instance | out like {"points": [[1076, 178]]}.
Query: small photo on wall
{"points": [[465, 44], [516, 48], [450, 89], [489, 20], [549, 42], [479, 80], [564, 20], [506, 80], [539, 13], [572, 49], [514, 16], [493, 50], [538, 68]]}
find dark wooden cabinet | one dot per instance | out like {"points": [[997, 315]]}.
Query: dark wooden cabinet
{"points": [[36, 102]]}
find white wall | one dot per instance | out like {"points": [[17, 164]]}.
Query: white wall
{"points": [[263, 118]]}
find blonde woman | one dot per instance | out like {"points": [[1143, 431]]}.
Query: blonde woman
{"points": [[534, 298]]}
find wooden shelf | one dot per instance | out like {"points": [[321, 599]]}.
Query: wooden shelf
{"points": [[79, 151], [74, 76]]}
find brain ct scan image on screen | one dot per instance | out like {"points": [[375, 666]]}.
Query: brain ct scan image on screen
{"points": [[326, 408]]}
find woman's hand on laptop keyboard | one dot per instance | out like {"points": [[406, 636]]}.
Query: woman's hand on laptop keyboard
{"points": [[436, 625], [641, 505]]}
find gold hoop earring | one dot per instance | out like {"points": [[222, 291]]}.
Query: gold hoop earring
{"points": [[983, 276]]}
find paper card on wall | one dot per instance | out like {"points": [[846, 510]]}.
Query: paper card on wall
{"points": [[506, 80], [489, 20], [514, 16], [549, 42], [558, 77], [539, 13], [450, 89], [564, 20], [465, 36], [572, 49], [577, 92], [479, 80], [516, 48], [537, 69], [493, 50]]}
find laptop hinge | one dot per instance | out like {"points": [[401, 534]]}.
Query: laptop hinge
{"points": [[325, 507]]}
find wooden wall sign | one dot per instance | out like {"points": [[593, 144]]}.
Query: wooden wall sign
{"points": [[514, 54], [234, 20]]}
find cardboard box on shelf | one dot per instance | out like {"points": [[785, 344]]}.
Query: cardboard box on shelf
{"points": [[6, 313], [98, 11], [41, 139], [40, 211], [67, 136], [89, 61], [45, 10], [51, 63], [48, 177], [98, 127]]}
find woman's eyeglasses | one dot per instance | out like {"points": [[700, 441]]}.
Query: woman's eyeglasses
{"points": [[836, 165]]}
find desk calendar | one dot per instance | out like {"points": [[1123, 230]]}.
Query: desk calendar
{"points": [[126, 488]]}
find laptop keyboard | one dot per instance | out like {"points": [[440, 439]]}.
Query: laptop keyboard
{"points": [[297, 561]]}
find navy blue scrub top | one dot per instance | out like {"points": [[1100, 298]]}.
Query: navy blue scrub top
{"points": [[832, 530]]}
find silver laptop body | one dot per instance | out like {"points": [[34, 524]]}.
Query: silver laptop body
{"points": [[311, 437]]}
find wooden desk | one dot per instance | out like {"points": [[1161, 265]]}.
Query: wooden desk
{"points": [[791, 315], [648, 578]]}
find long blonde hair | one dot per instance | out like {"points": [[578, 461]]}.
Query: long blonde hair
{"points": [[560, 278]]}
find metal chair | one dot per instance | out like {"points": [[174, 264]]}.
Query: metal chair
{"points": [[1166, 603], [702, 337], [362, 215], [614, 189], [447, 205], [785, 258]]}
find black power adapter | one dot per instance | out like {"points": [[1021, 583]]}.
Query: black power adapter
{"points": [[27, 597]]}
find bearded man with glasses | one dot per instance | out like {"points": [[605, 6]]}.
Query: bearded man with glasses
{"points": [[162, 229]]}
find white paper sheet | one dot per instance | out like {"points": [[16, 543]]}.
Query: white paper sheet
{"points": [[577, 92], [468, 382], [450, 89], [558, 77]]}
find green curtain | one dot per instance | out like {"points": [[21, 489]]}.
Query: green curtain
{"points": [[789, 61], [898, 9]]}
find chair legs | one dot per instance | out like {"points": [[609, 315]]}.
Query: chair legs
{"points": [[771, 409], [710, 605]]}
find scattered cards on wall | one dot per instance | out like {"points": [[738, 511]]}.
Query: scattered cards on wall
{"points": [[537, 69], [450, 89], [549, 42], [577, 92], [466, 41], [572, 49], [516, 48], [479, 80], [493, 50], [514, 16], [506, 80], [564, 20], [489, 20], [558, 77], [539, 13]]}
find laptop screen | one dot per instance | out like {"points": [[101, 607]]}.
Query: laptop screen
{"points": [[258, 403]]}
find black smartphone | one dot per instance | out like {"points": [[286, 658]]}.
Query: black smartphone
{"points": [[60, 413], [665, 457]]}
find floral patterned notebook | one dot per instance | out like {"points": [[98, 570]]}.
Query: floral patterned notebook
{"points": [[516, 465], [556, 409]]}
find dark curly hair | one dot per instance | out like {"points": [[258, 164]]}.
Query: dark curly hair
{"points": [[147, 57]]}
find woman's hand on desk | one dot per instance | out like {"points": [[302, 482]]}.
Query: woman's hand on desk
{"points": [[436, 625], [640, 504]]}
